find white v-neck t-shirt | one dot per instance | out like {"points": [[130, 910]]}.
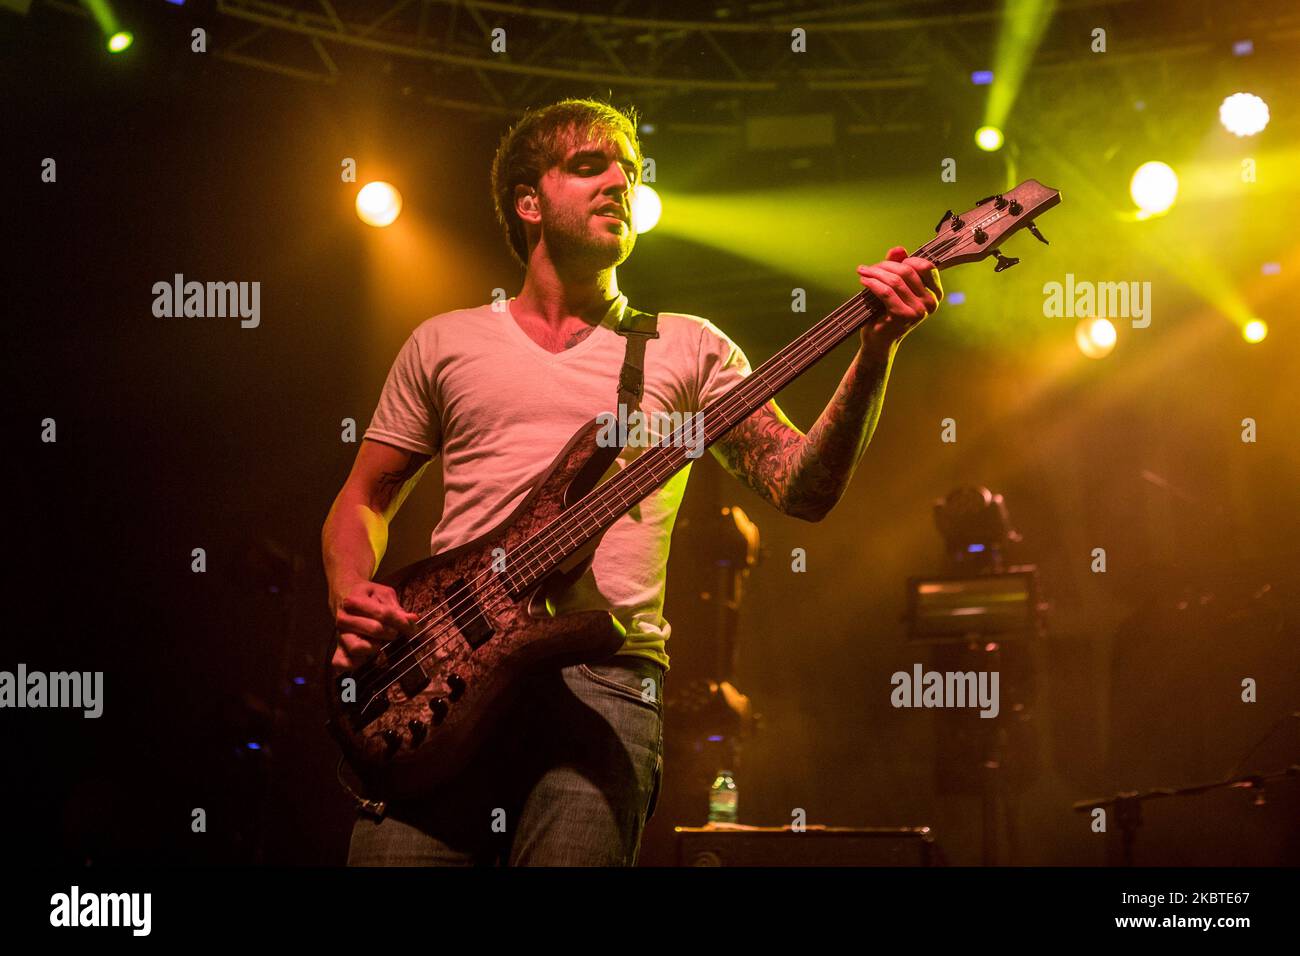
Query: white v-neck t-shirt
{"points": [[472, 388]]}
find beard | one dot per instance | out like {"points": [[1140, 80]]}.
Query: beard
{"points": [[569, 239]]}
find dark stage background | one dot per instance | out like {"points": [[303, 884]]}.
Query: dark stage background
{"points": [[175, 434]]}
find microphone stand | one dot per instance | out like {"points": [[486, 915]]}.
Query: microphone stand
{"points": [[1128, 804]]}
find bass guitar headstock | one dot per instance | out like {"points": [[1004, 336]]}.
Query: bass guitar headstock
{"points": [[978, 233]]}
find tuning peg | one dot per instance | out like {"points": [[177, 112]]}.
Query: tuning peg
{"points": [[1004, 262], [1033, 231], [980, 202], [946, 217]]}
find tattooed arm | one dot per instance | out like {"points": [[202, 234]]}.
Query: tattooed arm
{"points": [[804, 476]]}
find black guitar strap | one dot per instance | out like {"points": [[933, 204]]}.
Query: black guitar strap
{"points": [[637, 327]]}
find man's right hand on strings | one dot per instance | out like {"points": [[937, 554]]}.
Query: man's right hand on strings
{"points": [[366, 616]]}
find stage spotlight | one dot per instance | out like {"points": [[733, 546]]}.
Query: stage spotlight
{"points": [[378, 204], [1243, 114], [115, 38], [988, 138], [982, 77], [975, 526], [646, 208], [1254, 331], [1095, 337], [1154, 187]]}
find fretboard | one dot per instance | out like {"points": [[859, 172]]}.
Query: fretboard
{"points": [[610, 501]]}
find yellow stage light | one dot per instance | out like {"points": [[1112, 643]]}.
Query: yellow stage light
{"points": [[1154, 187], [1243, 114], [378, 204], [1254, 331], [1095, 337], [988, 138], [646, 208], [119, 41]]}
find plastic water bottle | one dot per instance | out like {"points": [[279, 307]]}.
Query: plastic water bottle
{"points": [[723, 798]]}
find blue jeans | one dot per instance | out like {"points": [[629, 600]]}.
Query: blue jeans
{"points": [[568, 778]]}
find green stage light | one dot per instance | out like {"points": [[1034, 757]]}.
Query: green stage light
{"points": [[119, 41], [1020, 30], [988, 138]]}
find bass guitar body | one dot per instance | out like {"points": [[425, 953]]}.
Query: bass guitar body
{"points": [[411, 718]]}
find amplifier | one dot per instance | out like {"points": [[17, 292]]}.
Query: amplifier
{"points": [[733, 845]]}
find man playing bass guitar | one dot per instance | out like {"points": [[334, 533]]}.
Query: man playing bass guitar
{"points": [[572, 773]]}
